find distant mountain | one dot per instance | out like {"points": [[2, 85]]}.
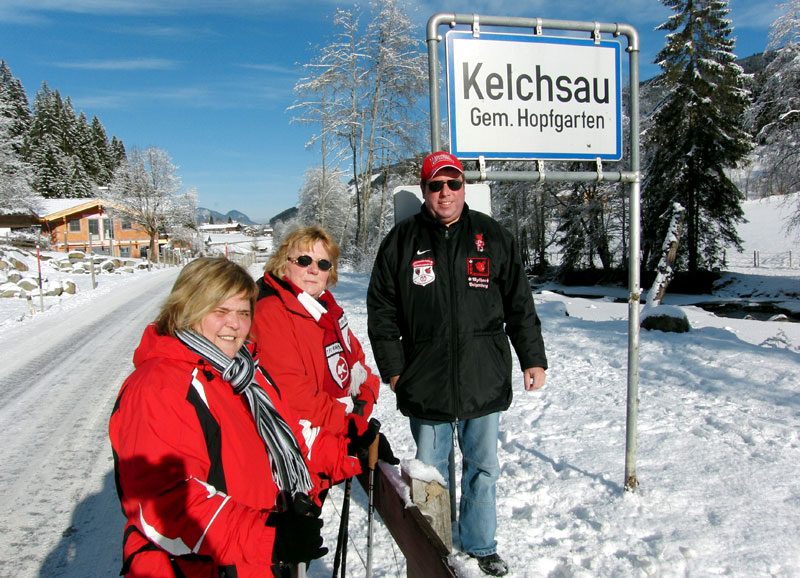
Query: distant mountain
{"points": [[284, 215], [203, 215]]}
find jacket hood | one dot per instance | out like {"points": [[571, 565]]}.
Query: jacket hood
{"points": [[282, 291], [154, 346]]}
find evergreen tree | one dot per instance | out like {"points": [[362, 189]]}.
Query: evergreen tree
{"points": [[698, 133], [85, 149], [70, 157], [16, 192], [15, 105], [105, 156], [117, 154]]}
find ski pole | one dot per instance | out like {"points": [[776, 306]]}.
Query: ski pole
{"points": [[341, 543], [373, 459], [302, 505]]}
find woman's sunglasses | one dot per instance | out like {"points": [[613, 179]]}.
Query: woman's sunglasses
{"points": [[452, 184], [305, 260]]}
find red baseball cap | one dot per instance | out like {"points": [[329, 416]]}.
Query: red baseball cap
{"points": [[435, 162]]}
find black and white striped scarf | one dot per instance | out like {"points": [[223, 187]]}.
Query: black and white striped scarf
{"points": [[289, 470]]}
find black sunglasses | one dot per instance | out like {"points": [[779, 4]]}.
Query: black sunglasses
{"points": [[306, 260], [452, 184]]}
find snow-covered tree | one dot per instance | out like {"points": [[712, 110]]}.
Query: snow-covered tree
{"points": [[697, 134], [16, 192], [15, 105], [70, 156], [664, 270], [145, 192], [589, 225], [181, 223], [775, 114], [363, 89], [324, 201]]}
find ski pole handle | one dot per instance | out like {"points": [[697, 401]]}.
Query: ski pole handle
{"points": [[372, 455], [372, 458]]}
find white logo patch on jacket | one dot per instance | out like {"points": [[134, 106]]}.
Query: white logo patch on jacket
{"points": [[422, 272]]}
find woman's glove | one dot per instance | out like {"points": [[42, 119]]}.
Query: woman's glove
{"points": [[385, 452], [358, 444], [297, 536]]}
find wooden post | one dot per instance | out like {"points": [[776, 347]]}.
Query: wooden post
{"points": [[433, 500]]}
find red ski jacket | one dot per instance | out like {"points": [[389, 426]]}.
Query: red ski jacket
{"points": [[291, 344], [192, 472]]}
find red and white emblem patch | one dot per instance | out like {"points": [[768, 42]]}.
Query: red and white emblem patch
{"points": [[423, 273], [337, 364], [480, 244], [478, 272]]}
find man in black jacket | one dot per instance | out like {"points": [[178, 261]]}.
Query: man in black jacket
{"points": [[447, 292]]}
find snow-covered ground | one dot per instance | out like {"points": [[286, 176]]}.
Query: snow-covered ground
{"points": [[717, 460]]}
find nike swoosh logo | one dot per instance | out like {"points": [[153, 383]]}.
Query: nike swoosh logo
{"points": [[423, 252]]}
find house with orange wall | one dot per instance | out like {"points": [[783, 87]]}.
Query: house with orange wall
{"points": [[85, 225]]}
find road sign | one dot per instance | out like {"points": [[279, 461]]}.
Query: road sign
{"points": [[517, 96]]}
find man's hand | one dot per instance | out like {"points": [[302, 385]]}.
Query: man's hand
{"points": [[534, 378], [393, 381]]}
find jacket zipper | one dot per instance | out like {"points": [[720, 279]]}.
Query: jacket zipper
{"points": [[453, 322]]}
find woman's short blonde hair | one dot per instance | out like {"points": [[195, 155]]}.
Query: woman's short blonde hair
{"points": [[304, 239], [202, 285]]}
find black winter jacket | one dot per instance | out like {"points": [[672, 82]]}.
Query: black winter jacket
{"points": [[442, 304]]}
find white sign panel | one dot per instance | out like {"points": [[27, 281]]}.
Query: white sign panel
{"points": [[514, 96]]}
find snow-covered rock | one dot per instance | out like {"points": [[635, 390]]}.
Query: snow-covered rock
{"points": [[665, 318]]}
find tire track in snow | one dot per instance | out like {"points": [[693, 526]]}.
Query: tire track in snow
{"points": [[55, 400]]}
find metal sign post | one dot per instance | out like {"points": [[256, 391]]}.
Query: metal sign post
{"points": [[511, 96], [515, 96]]}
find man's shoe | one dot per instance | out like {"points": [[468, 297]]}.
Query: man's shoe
{"points": [[493, 564]]}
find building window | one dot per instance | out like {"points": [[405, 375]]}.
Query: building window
{"points": [[125, 251], [94, 228], [107, 228], [74, 225], [126, 226]]}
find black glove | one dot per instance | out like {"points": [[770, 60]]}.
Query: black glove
{"points": [[297, 537], [385, 452], [359, 444]]}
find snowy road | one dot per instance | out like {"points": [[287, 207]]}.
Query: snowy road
{"points": [[57, 388]]}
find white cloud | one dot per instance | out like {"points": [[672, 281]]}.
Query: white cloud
{"points": [[122, 64]]}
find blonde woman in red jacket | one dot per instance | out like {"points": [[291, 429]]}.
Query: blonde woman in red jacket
{"points": [[210, 462], [304, 336]]}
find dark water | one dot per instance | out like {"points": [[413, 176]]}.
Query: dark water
{"points": [[761, 311]]}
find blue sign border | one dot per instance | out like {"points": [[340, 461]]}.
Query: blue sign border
{"points": [[506, 37]]}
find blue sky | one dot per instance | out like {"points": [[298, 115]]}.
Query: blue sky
{"points": [[209, 81]]}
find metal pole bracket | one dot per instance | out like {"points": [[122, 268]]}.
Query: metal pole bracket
{"points": [[599, 169], [476, 25], [482, 167], [540, 170]]}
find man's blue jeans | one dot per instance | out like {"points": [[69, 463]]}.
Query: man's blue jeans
{"points": [[477, 521]]}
